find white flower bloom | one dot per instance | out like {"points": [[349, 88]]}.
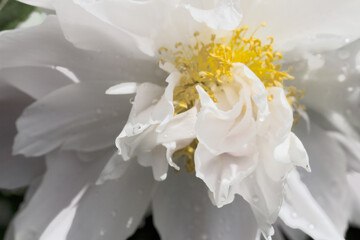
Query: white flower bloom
{"points": [[234, 129]]}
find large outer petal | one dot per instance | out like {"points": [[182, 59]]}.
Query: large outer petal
{"points": [[14, 171], [301, 210], [66, 176], [327, 182], [290, 19], [114, 209], [78, 117], [46, 46], [150, 23], [182, 210], [334, 74]]}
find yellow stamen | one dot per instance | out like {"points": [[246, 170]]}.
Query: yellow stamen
{"points": [[209, 65]]}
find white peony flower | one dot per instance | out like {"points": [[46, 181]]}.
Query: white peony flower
{"points": [[232, 127]]}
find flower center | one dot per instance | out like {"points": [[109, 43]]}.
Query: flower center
{"points": [[209, 64]]}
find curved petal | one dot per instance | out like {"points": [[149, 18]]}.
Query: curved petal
{"points": [[34, 81], [354, 180], [76, 117], [300, 210], [39, 3], [182, 200], [304, 19], [327, 182], [334, 74], [16, 171], [46, 46], [114, 209], [65, 177]]}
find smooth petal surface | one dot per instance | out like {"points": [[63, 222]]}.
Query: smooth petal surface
{"points": [[304, 19], [114, 209], [34, 81], [46, 46], [354, 180], [76, 117], [182, 200], [16, 171], [65, 177], [327, 181], [300, 210]]}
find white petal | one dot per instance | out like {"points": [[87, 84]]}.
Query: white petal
{"points": [[79, 116], [301, 210], [354, 180], [46, 46], [114, 169], [225, 15], [338, 81], [16, 171], [39, 3], [122, 88], [65, 177], [114, 209], [303, 18], [222, 172], [34, 81], [60, 226], [182, 200], [327, 181]]}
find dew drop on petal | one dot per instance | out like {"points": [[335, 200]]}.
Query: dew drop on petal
{"points": [[311, 226], [131, 100], [341, 78], [204, 237], [294, 214], [350, 89], [129, 222], [102, 232]]}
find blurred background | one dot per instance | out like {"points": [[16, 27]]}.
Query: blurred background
{"points": [[14, 14]]}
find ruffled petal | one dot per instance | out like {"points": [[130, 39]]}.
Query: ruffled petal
{"points": [[76, 117], [123, 203], [182, 210], [16, 171]]}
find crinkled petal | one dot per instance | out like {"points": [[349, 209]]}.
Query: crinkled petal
{"points": [[76, 117], [182, 210], [114, 209]]}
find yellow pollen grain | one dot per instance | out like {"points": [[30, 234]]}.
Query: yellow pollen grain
{"points": [[209, 65]]}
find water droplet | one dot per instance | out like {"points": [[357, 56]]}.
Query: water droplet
{"points": [[204, 237], [166, 136], [114, 213], [347, 40], [132, 100], [341, 78], [102, 233], [129, 222], [294, 214], [311, 226], [255, 198], [343, 54], [350, 89], [315, 61]]}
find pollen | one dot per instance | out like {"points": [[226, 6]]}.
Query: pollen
{"points": [[209, 64]]}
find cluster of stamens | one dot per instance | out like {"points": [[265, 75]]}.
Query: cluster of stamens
{"points": [[209, 65]]}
